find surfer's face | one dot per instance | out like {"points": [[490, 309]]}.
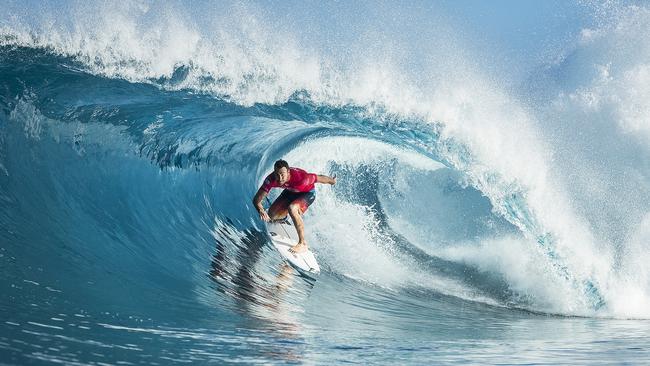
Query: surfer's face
{"points": [[283, 175]]}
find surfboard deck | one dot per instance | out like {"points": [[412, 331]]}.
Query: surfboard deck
{"points": [[284, 236]]}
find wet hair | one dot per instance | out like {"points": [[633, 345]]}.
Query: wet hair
{"points": [[280, 164]]}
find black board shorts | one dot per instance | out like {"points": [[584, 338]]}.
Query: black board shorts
{"points": [[287, 197]]}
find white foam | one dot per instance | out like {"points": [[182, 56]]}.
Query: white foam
{"points": [[519, 263], [599, 122], [347, 236], [630, 290], [350, 231]]}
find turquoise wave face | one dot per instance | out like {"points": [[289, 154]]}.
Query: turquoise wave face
{"points": [[138, 177]]}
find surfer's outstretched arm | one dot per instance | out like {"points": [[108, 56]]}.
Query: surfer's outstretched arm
{"points": [[326, 179]]}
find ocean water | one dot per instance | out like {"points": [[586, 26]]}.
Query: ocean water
{"points": [[492, 204]]}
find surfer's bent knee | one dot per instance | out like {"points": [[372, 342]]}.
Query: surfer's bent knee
{"points": [[295, 208]]}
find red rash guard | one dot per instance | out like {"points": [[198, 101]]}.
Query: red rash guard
{"points": [[299, 181]]}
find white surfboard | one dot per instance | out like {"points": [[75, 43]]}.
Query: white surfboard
{"points": [[284, 236]]}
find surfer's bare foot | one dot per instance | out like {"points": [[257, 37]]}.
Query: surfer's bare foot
{"points": [[298, 248]]}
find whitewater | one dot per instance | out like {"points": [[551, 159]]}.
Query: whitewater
{"points": [[492, 203]]}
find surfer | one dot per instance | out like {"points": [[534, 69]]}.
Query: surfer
{"points": [[298, 194]]}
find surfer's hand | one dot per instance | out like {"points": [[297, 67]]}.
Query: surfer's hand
{"points": [[333, 180], [264, 215]]}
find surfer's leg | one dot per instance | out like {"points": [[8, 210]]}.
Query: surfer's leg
{"points": [[296, 209], [295, 212], [280, 207]]}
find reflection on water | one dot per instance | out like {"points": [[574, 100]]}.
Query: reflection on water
{"points": [[272, 302]]}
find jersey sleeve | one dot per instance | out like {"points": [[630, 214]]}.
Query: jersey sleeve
{"points": [[268, 183], [311, 178]]}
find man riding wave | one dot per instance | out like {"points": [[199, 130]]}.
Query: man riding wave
{"points": [[298, 194]]}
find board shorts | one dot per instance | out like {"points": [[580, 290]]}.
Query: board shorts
{"points": [[287, 197]]}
